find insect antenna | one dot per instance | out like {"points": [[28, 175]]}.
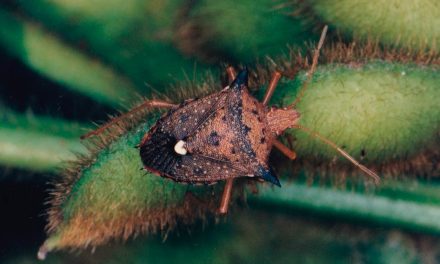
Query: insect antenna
{"points": [[369, 172], [312, 68]]}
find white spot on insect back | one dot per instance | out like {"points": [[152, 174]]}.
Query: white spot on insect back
{"points": [[179, 148]]}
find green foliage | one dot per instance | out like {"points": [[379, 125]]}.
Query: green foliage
{"points": [[112, 186], [243, 31], [388, 111], [115, 183], [37, 143], [47, 55], [409, 24], [412, 209], [133, 37], [277, 238], [110, 196]]}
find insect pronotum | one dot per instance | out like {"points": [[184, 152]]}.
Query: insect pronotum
{"points": [[223, 136]]}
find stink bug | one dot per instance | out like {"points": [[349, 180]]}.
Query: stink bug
{"points": [[223, 136]]}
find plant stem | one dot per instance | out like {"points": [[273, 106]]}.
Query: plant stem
{"points": [[394, 211]]}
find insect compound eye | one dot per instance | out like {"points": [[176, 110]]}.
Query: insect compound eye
{"points": [[179, 148]]}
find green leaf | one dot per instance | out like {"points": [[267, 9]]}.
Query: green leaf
{"points": [[37, 143], [136, 37], [47, 54], [242, 31]]}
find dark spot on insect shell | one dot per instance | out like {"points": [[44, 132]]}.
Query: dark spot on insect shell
{"points": [[184, 118], [213, 139], [247, 129], [233, 151], [262, 140]]}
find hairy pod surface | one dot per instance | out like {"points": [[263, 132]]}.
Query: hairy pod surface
{"points": [[110, 197], [385, 114]]}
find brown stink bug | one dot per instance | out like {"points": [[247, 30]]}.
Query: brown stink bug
{"points": [[223, 136]]}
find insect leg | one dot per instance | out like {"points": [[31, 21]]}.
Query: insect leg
{"points": [[226, 197], [231, 73], [253, 186], [144, 105], [227, 190], [285, 150], [271, 88]]}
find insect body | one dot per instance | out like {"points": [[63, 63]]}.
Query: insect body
{"points": [[222, 136], [225, 135]]}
